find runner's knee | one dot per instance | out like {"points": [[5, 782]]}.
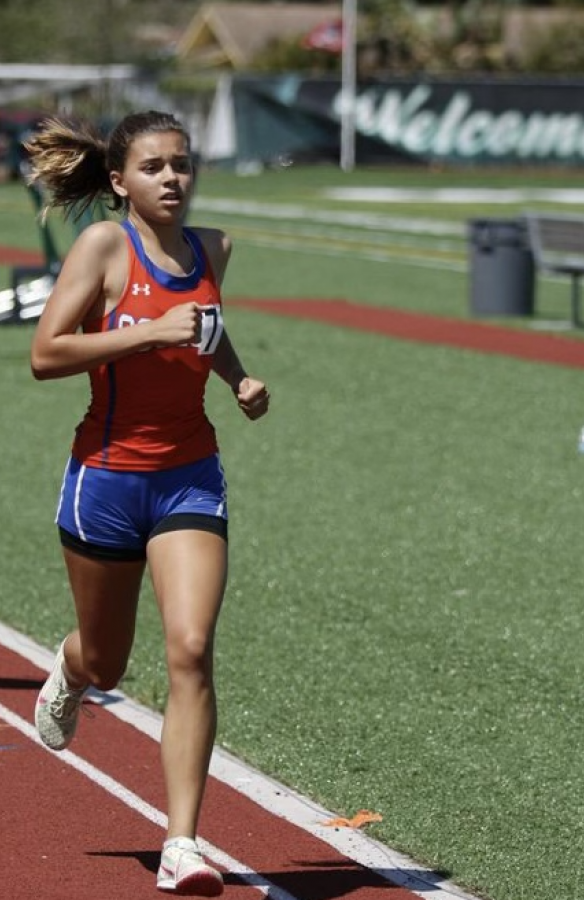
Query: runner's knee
{"points": [[190, 654], [104, 675]]}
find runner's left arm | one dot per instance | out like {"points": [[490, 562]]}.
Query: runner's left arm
{"points": [[252, 395]]}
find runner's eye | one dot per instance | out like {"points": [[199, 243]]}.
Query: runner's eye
{"points": [[182, 165]]}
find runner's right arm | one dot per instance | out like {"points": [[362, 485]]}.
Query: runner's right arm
{"points": [[84, 284]]}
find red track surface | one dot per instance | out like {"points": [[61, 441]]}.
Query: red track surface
{"points": [[63, 836], [419, 327], [14, 256]]}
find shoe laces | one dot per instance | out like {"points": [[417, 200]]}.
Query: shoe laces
{"points": [[66, 702], [179, 848]]}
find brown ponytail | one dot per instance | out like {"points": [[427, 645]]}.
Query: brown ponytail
{"points": [[69, 160], [72, 162]]}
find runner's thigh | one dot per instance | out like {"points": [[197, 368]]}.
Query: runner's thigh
{"points": [[106, 598], [189, 571]]}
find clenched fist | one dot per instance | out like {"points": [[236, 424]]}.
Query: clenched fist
{"points": [[180, 325], [252, 397]]}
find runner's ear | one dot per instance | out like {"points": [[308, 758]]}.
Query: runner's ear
{"points": [[117, 183]]}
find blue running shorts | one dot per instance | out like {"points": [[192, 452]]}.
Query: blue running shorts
{"points": [[112, 515]]}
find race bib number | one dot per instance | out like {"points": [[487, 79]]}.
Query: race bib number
{"points": [[211, 330]]}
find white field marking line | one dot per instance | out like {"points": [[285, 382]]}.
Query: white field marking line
{"points": [[552, 325], [418, 262], [272, 796], [411, 260], [352, 238], [377, 221], [135, 803], [454, 195]]}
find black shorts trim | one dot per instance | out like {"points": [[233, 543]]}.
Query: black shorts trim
{"points": [[193, 522], [176, 522], [100, 551]]}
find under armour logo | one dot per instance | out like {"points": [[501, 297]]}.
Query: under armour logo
{"points": [[140, 289]]}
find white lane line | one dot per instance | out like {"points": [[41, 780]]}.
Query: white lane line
{"points": [[275, 798], [397, 257], [372, 222], [251, 209], [137, 804], [454, 195]]}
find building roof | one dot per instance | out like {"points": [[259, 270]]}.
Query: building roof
{"points": [[231, 34]]}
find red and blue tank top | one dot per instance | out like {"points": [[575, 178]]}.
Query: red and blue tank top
{"points": [[147, 410]]}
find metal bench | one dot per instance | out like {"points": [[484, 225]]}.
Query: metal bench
{"points": [[557, 244]]}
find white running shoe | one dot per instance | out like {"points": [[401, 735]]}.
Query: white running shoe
{"points": [[57, 708], [184, 871]]}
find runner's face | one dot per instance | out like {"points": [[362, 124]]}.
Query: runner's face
{"points": [[157, 179]]}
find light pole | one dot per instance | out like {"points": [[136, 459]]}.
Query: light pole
{"points": [[348, 85]]}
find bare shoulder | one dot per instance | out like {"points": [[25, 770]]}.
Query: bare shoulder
{"points": [[214, 239], [217, 246], [94, 270], [84, 281], [104, 238]]}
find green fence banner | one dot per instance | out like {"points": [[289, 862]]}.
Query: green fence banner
{"points": [[457, 121]]}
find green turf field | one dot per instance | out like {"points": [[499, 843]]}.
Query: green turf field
{"points": [[403, 628]]}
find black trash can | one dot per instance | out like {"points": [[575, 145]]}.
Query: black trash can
{"points": [[502, 268]]}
